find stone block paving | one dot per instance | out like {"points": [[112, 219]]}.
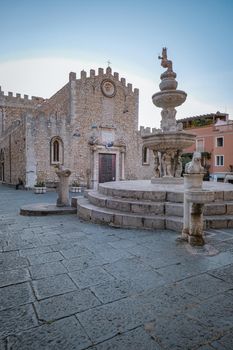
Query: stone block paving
{"points": [[69, 284]]}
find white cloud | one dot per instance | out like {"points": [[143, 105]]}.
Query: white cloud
{"points": [[44, 76], [40, 77]]}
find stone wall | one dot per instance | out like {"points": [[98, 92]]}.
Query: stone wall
{"points": [[81, 107], [13, 110]]}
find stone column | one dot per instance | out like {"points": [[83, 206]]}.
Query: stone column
{"points": [[63, 187], [95, 165], [193, 218], [194, 199], [122, 164], [196, 224]]}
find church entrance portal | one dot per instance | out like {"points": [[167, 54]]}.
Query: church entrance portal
{"points": [[107, 167]]}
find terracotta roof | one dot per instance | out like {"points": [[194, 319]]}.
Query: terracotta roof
{"points": [[204, 116]]}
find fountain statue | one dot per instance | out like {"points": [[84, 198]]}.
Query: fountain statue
{"points": [[169, 142]]}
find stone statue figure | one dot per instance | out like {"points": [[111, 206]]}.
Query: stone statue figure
{"points": [[168, 122], [178, 167], [156, 164], [94, 137], [93, 140], [167, 164], [165, 63], [194, 167]]}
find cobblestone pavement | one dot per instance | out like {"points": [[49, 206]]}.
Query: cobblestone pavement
{"points": [[68, 284]]}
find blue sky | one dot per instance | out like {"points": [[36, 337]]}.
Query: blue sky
{"points": [[42, 41]]}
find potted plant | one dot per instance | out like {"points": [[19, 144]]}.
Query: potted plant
{"points": [[40, 187], [75, 186]]}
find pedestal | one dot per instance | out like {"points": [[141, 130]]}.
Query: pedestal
{"points": [[194, 199], [195, 236], [63, 187], [193, 181]]}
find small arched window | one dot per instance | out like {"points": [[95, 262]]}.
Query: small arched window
{"points": [[56, 150], [145, 156]]}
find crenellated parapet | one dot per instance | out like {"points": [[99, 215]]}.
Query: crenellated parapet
{"points": [[144, 131], [101, 73], [9, 100]]}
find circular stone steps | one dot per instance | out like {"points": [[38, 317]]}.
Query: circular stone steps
{"points": [[140, 204], [117, 218], [126, 205]]}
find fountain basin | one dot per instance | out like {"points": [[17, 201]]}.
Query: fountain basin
{"points": [[170, 140], [169, 98]]}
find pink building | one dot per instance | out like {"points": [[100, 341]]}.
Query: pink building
{"points": [[214, 139]]}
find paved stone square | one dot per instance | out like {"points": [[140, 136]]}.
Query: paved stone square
{"points": [[69, 284]]}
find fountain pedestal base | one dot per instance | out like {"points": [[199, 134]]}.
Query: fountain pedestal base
{"points": [[194, 199]]}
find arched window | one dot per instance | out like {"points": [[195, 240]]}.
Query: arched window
{"points": [[145, 156], [56, 150]]}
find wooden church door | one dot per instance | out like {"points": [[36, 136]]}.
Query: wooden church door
{"points": [[107, 167]]}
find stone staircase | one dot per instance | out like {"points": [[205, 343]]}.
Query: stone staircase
{"points": [[157, 209]]}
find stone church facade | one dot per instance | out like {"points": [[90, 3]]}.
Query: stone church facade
{"points": [[90, 126]]}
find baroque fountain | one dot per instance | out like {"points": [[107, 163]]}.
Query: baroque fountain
{"points": [[167, 201], [168, 143]]}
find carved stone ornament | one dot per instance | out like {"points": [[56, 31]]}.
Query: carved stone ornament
{"points": [[194, 167], [108, 88]]}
